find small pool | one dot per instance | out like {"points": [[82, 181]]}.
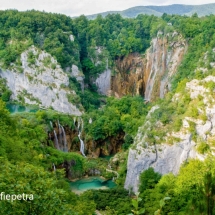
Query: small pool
{"points": [[95, 183], [106, 157], [13, 108]]}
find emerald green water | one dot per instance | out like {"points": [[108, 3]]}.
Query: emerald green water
{"points": [[106, 157], [91, 183], [13, 108]]}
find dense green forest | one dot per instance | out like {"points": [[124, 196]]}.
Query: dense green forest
{"points": [[27, 153]]}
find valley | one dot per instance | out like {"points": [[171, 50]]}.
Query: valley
{"points": [[122, 104]]}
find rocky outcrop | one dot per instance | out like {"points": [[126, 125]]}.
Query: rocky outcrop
{"points": [[78, 75], [129, 76], [103, 82], [167, 157], [149, 75], [163, 158], [162, 60], [92, 148], [41, 82], [108, 146]]}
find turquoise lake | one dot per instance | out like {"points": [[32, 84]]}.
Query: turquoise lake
{"points": [[13, 108], [95, 183]]}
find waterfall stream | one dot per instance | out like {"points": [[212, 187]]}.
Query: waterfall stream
{"points": [[51, 124], [54, 168], [60, 135], [56, 141], [65, 148], [80, 129]]}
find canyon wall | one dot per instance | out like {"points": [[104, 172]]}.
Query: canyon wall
{"points": [[148, 74], [40, 81], [195, 139]]}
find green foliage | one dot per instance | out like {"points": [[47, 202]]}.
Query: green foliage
{"points": [[135, 203], [119, 115], [47, 31], [48, 196], [148, 179], [5, 93], [190, 192], [199, 31], [128, 141], [115, 198], [203, 147], [162, 203], [26, 159]]}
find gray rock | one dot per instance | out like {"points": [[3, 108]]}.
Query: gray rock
{"points": [[40, 84], [103, 82], [163, 158], [78, 75]]}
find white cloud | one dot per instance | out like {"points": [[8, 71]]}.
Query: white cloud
{"points": [[78, 7]]}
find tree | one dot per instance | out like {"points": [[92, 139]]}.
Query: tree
{"points": [[148, 179]]}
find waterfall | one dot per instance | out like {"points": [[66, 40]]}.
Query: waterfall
{"points": [[80, 128], [56, 141], [65, 148], [54, 168], [51, 124], [74, 120], [60, 135]]}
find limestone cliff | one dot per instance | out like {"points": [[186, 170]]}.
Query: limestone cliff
{"points": [[41, 81], [146, 75], [194, 139]]}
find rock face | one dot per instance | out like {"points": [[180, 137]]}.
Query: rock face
{"points": [[93, 148], [129, 76], [41, 82], [148, 75], [163, 158], [103, 82], [167, 157], [162, 60], [78, 75]]}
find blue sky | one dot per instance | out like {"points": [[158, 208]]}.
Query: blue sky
{"points": [[78, 7]]}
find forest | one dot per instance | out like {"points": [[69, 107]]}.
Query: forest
{"points": [[28, 153]]}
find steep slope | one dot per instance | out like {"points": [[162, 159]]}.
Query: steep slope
{"points": [[176, 130], [40, 81], [149, 74]]}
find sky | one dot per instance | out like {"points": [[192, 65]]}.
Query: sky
{"points": [[87, 7]]}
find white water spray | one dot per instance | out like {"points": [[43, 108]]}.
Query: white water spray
{"points": [[80, 129], [56, 141], [65, 148]]}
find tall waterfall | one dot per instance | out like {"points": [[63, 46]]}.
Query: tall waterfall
{"points": [[80, 129], [65, 148], [56, 141], [54, 168], [51, 124], [60, 134]]}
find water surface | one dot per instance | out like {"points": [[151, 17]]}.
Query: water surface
{"points": [[14, 108], [95, 183]]}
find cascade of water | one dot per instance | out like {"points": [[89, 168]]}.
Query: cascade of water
{"points": [[80, 128], [74, 120], [54, 168], [60, 135], [56, 141], [90, 120], [64, 139], [51, 124]]}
